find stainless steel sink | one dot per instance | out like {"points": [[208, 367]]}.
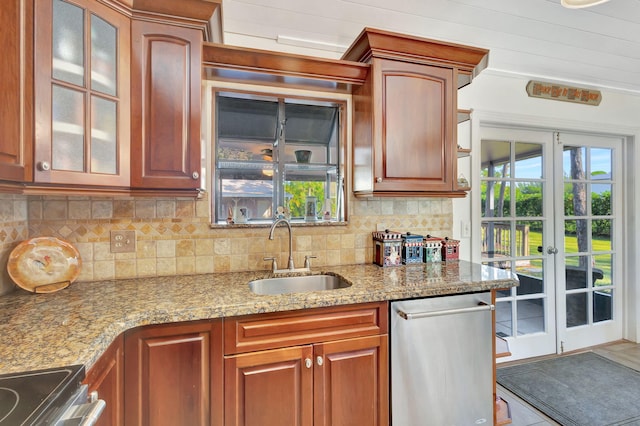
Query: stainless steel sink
{"points": [[301, 284]]}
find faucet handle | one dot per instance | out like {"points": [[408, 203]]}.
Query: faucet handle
{"points": [[307, 261], [274, 263]]}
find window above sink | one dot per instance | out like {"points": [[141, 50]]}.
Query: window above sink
{"points": [[277, 153]]}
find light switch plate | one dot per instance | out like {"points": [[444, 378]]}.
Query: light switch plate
{"points": [[123, 241], [465, 229]]}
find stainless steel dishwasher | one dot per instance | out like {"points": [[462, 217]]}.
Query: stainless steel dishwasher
{"points": [[441, 361]]}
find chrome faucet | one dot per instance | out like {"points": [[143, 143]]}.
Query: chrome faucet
{"points": [[273, 228], [290, 266]]}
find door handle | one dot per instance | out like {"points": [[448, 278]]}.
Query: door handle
{"points": [[416, 315], [552, 250]]}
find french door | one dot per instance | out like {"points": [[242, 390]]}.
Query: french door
{"points": [[551, 213]]}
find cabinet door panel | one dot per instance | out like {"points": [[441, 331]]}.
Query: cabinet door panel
{"points": [[173, 375], [107, 378], [417, 133], [16, 69], [269, 388], [76, 141], [351, 382], [166, 80]]}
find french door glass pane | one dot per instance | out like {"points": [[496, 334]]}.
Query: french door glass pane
{"points": [[104, 130], [530, 316], [577, 309], [104, 55], [575, 200], [504, 321], [528, 163], [576, 272], [531, 282], [495, 159], [601, 199], [603, 265], [601, 234], [498, 194], [572, 229], [600, 164], [529, 199], [496, 239], [67, 142], [573, 162], [602, 305], [68, 43], [528, 241]]}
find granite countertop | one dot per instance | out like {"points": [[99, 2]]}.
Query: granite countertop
{"points": [[76, 325]]}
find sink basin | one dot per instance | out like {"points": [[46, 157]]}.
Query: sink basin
{"points": [[283, 285]]}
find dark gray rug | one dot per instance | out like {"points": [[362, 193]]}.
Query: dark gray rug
{"points": [[585, 389]]}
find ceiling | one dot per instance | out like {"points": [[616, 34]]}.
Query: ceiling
{"points": [[596, 47]]}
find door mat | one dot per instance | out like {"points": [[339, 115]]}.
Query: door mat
{"points": [[585, 389]]}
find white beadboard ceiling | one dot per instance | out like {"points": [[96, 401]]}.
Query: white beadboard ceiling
{"points": [[597, 47]]}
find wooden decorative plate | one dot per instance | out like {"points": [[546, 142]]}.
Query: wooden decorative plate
{"points": [[44, 264]]}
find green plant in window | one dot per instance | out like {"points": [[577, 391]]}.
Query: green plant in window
{"points": [[298, 191]]}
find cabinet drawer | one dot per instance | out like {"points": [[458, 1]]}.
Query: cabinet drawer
{"points": [[280, 329]]}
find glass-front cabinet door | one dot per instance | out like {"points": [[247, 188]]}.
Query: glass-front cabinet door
{"points": [[277, 157], [82, 93]]}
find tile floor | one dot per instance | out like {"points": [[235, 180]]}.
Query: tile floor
{"points": [[522, 414]]}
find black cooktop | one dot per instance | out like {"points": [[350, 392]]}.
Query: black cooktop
{"points": [[29, 398]]}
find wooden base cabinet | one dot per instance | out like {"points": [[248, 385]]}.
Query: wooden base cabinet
{"points": [[106, 377], [350, 382], [173, 374], [321, 380], [270, 387]]}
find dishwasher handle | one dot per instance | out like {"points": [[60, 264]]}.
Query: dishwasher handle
{"points": [[417, 315]]}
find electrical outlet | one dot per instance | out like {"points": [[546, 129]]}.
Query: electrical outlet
{"points": [[123, 241]]}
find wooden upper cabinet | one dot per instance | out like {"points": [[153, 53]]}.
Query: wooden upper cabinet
{"points": [[405, 114], [71, 90], [82, 60], [416, 127], [16, 85], [166, 92]]}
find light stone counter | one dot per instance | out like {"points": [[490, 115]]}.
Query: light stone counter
{"points": [[75, 325]]}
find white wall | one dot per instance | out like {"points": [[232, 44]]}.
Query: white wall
{"points": [[501, 98]]}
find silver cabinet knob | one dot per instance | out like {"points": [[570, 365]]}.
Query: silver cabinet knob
{"points": [[308, 363], [378, 179], [552, 250], [319, 360], [44, 166], [195, 175]]}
